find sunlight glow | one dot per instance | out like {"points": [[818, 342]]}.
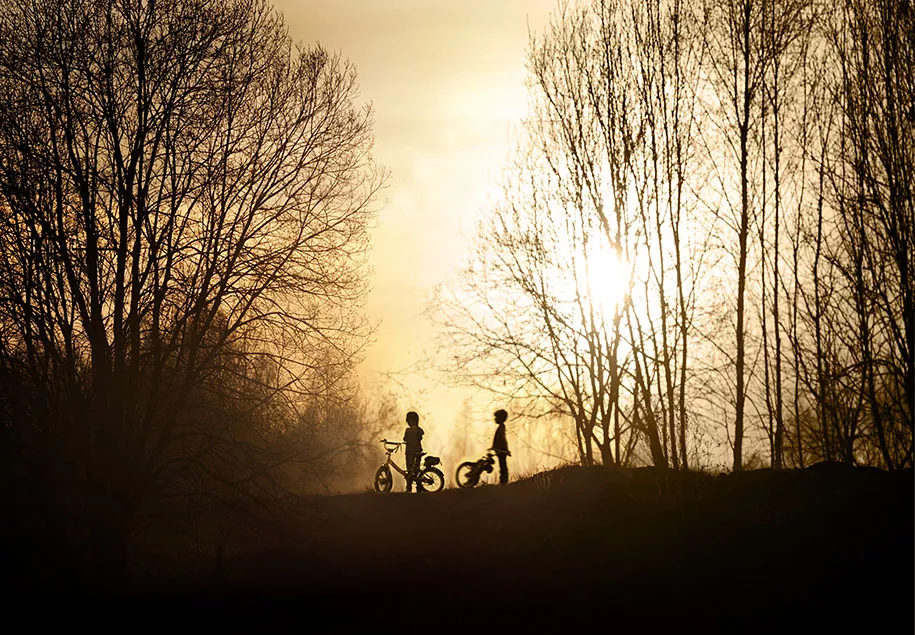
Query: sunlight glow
{"points": [[607, 278], [598, 275]]}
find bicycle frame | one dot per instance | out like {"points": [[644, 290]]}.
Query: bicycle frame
{"points": [[389, 461]]}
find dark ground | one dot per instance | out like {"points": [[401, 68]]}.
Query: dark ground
{"points": [[824, 549]]}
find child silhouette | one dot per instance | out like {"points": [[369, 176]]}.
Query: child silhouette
{"points": [[413, 438], [500, 445]]}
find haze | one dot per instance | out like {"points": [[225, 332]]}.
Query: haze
{"points": [[446, 80]]}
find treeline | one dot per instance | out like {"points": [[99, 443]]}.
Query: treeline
{"points": [[184, 196], [703, 254]]}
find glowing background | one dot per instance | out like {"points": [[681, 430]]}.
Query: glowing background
{"points": [[446, 80]]}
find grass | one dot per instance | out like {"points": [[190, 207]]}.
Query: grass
{"points": [[816, 550]]}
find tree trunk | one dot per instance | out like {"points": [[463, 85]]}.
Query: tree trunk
{"points": [[744, 125]]}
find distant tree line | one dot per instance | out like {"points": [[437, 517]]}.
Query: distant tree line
{"points": [[184, 196], [748, 165]]}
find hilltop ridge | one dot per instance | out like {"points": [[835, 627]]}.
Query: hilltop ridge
{"points": [[826, 548]]}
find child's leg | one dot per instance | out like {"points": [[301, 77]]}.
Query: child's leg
{"points": [[411, 470], [503, 469]]}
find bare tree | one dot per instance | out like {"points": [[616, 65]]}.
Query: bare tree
{"points": [[871, 175], [184, 195], [786, 35], [597, 208], [737, 64]]}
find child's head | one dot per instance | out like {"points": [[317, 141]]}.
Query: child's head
{"points": [[412, 418], [500, 416]]}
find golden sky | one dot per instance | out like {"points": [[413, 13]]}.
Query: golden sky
{"points": [[446, 80]]}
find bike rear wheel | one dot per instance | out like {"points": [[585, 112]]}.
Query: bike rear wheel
{"points": [[383, 480], [430, 480], [467, 474]]}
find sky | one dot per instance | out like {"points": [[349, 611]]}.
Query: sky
{"points": [[446, 80]]}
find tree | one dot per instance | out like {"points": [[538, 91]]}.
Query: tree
{"points": [[184, 195], [678, 136], [558, 303], [737, 62], [870, 177]]}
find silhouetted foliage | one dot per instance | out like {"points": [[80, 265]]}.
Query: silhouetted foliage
{"points": [[749, 165], [184, 194]]}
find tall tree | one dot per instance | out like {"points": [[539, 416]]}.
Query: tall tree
{"points": [[571, 279], [738, 63], [183, 193]]}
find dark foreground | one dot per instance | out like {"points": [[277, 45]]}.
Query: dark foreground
{"points": [[825, 549]]}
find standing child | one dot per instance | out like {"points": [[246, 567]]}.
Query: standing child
{"points": [[413, 438], [500, 445]]}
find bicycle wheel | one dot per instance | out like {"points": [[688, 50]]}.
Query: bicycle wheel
{"points": [[430, 480], [383, 479], [467, 475]]}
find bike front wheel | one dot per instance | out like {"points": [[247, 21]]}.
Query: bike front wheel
{"points": [[383, 480], [467, 475], [431, 480]]}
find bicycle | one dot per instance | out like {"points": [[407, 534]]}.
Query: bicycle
{"points": [[429, 479], [468, 473]]}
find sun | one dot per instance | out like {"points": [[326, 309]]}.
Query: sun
{"points": [[606, 278], [594, 274]]}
